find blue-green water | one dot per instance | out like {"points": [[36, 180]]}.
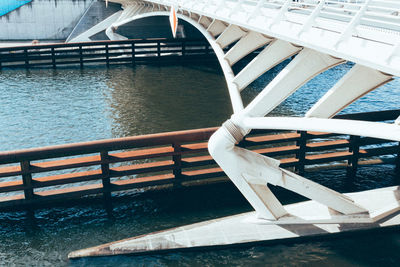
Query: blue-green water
{"points": [[47, 107]]}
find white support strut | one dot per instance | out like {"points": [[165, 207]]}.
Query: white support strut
{"points": [[306, 65], [356, 83], [251, 172], [231, 34], [276, 52], [250, 42]]}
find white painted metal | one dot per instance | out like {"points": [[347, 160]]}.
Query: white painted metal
{"points": [[352, 127], [243, 228], [101, 26], [250, 42], [216, 27], [231, 34], [311, 19], [357, 32], [112, 35], [356, 83], [204, 21], [397, 121], [272, 55], [229, 157], [260, 170], [306, 65]]}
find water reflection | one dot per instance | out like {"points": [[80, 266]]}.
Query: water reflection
{"points": [[155, 99], [47, 107]]}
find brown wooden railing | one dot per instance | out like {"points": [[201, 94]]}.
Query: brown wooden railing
{"points": [[133, 51], [100, 167]]}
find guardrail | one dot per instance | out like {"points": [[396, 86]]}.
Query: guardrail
{"points": [[380, 14], [133, 51], [40, 175]]}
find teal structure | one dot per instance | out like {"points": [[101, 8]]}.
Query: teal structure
{"points": [[6, 6]]}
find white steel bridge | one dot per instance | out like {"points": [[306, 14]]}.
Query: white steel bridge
{"points": [[318, 35]]}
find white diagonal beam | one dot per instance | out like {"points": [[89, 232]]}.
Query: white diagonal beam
{"points": [[306, 65], [216, 27], [267, 173], [380, 130], [250, 42], [231, 34], [101, 26], [357, 82], [205, 21], [272, 55]]}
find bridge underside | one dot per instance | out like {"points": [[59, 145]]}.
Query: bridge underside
{"points": [[316, 36]]}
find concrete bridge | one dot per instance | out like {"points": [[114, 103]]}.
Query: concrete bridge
{"points": [[318, 35]]}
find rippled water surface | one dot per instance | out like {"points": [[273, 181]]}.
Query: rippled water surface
{"points": [[48, 107]]}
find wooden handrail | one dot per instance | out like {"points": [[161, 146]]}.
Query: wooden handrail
{"points": [[105, 145], [103, 42]]}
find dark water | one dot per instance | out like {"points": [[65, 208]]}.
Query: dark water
{"points": [[47, 107]]}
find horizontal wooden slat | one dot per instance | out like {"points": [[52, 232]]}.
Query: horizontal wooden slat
{"points": [[65, 164], [74, 191], [277, 151], [327, 157], [311, 135], [67, 178], [11, 186], [197, 161], [10, 171], [142, 182], [142, 168], [289, 162], [332, 144], [141, 154], [203, 173], [270, 139], [197, 147], [364, 153]]}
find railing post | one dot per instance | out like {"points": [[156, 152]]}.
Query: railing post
{"points": [[177, 158], [352, 163], [398, 162], [27, 180], [107, 56], [53, 57], [207, 48], [105, 171], [133, 54], [159, 50], [183, 50], [301, 154], [26, 58], [80, 56]]}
